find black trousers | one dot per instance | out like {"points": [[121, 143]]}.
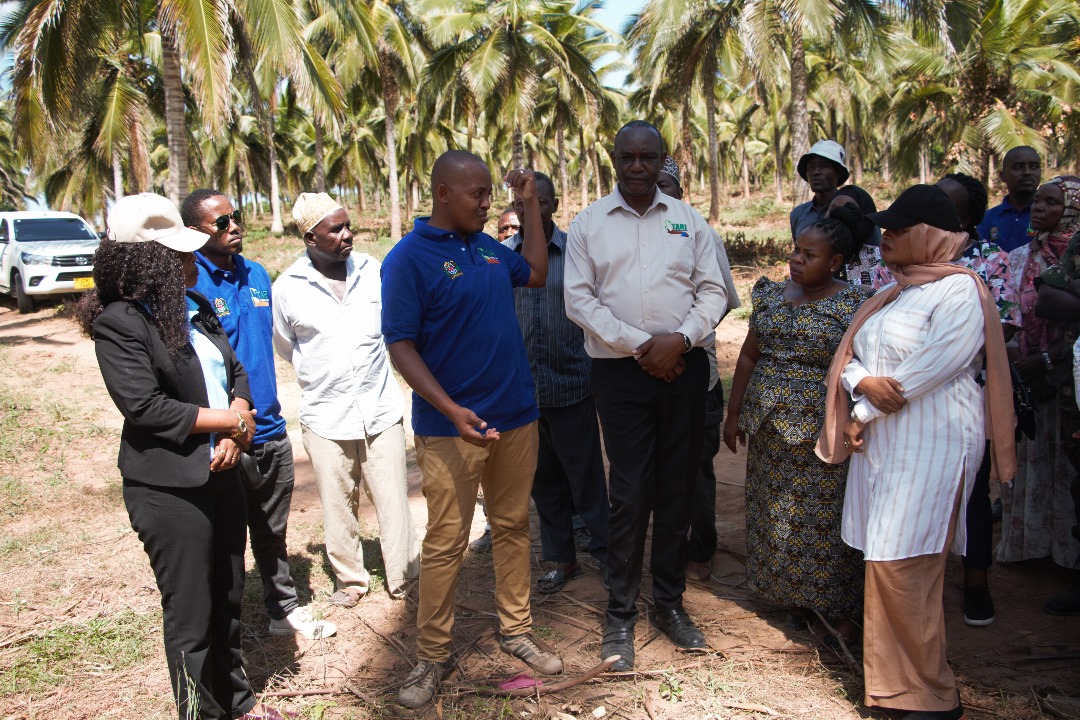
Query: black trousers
{"points": [[569, 476], [195, 540], [267, 471], [980, 520], [653, 436], [702, 543]]}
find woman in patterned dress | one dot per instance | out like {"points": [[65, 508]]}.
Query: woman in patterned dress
{"points": [[795, 556], [1037, 515]]}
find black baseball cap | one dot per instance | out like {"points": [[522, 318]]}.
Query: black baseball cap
{"points": [[919, 204]]}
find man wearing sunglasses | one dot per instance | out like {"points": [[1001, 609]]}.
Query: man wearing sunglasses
{"points": [[239, 290]]}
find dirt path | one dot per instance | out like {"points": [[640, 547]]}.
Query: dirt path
{"points": [[69, 560]]}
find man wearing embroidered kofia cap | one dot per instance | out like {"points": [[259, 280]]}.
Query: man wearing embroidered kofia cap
{"points": [[327, 312]]}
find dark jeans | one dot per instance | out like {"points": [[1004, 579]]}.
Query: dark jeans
{"points": [[569, 475], [195, 540], [653, 435], [267, 471], [702, 543], [980, 520]]}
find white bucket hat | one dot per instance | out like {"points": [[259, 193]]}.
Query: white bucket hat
{"points": [[147, 217], [830, 150]]}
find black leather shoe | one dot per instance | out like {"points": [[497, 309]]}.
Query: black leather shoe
{"points": [[618, 641], [679, 628]]}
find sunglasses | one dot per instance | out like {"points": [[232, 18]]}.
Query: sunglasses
{"points": [[504, 228], [221, 222]]}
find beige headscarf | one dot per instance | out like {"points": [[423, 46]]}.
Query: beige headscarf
{"points": [[929, 250], [311, 208]]}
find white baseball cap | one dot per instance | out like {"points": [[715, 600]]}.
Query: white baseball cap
{"points": [[148, 217], [830, 150]]}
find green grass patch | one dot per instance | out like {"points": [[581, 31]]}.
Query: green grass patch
{"points": [[100, 645]]}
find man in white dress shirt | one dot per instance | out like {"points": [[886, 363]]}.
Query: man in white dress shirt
{"points": [[643, 282], [327, 323]]}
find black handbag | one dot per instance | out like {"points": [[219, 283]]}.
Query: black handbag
{"points": [[1023, 405]]}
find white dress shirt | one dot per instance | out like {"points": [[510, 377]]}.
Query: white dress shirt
{"points": [[347, 391], [630, 277], [901, 488]]}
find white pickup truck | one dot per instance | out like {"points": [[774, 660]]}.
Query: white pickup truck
{"points": [[45, 253]]}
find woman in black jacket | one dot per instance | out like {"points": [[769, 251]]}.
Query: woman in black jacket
{"points": [[187, 417]]}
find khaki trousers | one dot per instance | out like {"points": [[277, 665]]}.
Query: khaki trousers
{"points": [[904, 661], [453, 469], [378, 464]]}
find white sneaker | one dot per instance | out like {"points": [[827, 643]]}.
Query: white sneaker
{"points": [[302, 621]]}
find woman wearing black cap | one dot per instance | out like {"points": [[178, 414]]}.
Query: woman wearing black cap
{"points": [[917, 429]]}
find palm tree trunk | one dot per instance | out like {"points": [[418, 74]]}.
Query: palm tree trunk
{"points": [[470, 125], [176, 186], [117, 176], [800, 129], [745, 175], [361, 197], [686, 149], [138, 160], [594, 161], [779, 160], [517, 149], [320, 168], [709, 87], [924, 164], [564, 174], [276, 226], [582, 169], [390, 97]]}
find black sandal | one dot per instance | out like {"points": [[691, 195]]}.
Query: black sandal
{"points": [[555, 580]]}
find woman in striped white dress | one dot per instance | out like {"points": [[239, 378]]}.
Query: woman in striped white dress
{"points": [[918, 430]]}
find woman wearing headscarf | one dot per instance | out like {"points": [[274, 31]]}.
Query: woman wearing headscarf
{"points": [[902, 397], [168, 366], [1037, 511]]}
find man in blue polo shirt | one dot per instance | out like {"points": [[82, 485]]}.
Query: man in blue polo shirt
{"points": [[449, 323], [1006, 225], [239, 290]]}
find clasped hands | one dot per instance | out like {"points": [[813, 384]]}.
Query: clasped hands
{"points": [[884, 393], [228, 449], [662, 356]]}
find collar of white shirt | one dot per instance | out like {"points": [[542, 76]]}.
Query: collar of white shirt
{"points": [[305, 270], [615, 200]]}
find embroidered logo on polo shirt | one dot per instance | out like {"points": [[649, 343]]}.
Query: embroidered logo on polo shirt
{"points": [[451, 270], [488, 255], [260, 298], [221, 308], [676, 228]]}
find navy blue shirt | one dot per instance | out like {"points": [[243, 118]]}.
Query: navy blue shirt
{"points": [[554, 344], [241, 300], [453, 297], [1005, 226]]}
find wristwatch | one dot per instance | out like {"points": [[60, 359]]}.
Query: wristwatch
{"points": [[241, 425], [686, 343], [1047, 361], [854, 417]]}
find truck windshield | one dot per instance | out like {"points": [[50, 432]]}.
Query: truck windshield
{"points": [[41, 229]]}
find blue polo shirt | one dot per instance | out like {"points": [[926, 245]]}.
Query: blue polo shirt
{"points": [[241, 300], [1005, 226], [453, 297]]}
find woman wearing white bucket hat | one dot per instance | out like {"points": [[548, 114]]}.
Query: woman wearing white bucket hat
{"points": [[187, 414]]}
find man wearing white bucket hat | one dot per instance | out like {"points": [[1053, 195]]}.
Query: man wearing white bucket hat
{"points": [[824, 166], [327, 316]]}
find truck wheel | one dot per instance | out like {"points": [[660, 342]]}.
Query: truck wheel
{"points": [[24, 301]]}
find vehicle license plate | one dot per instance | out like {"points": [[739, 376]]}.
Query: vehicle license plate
{"points": [[84, 283]]}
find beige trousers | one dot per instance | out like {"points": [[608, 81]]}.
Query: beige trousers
{"points": [[453, 469], [378, 464], [904, 661]]}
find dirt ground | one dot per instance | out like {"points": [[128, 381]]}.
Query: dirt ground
{"points": [[70, 566]]}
